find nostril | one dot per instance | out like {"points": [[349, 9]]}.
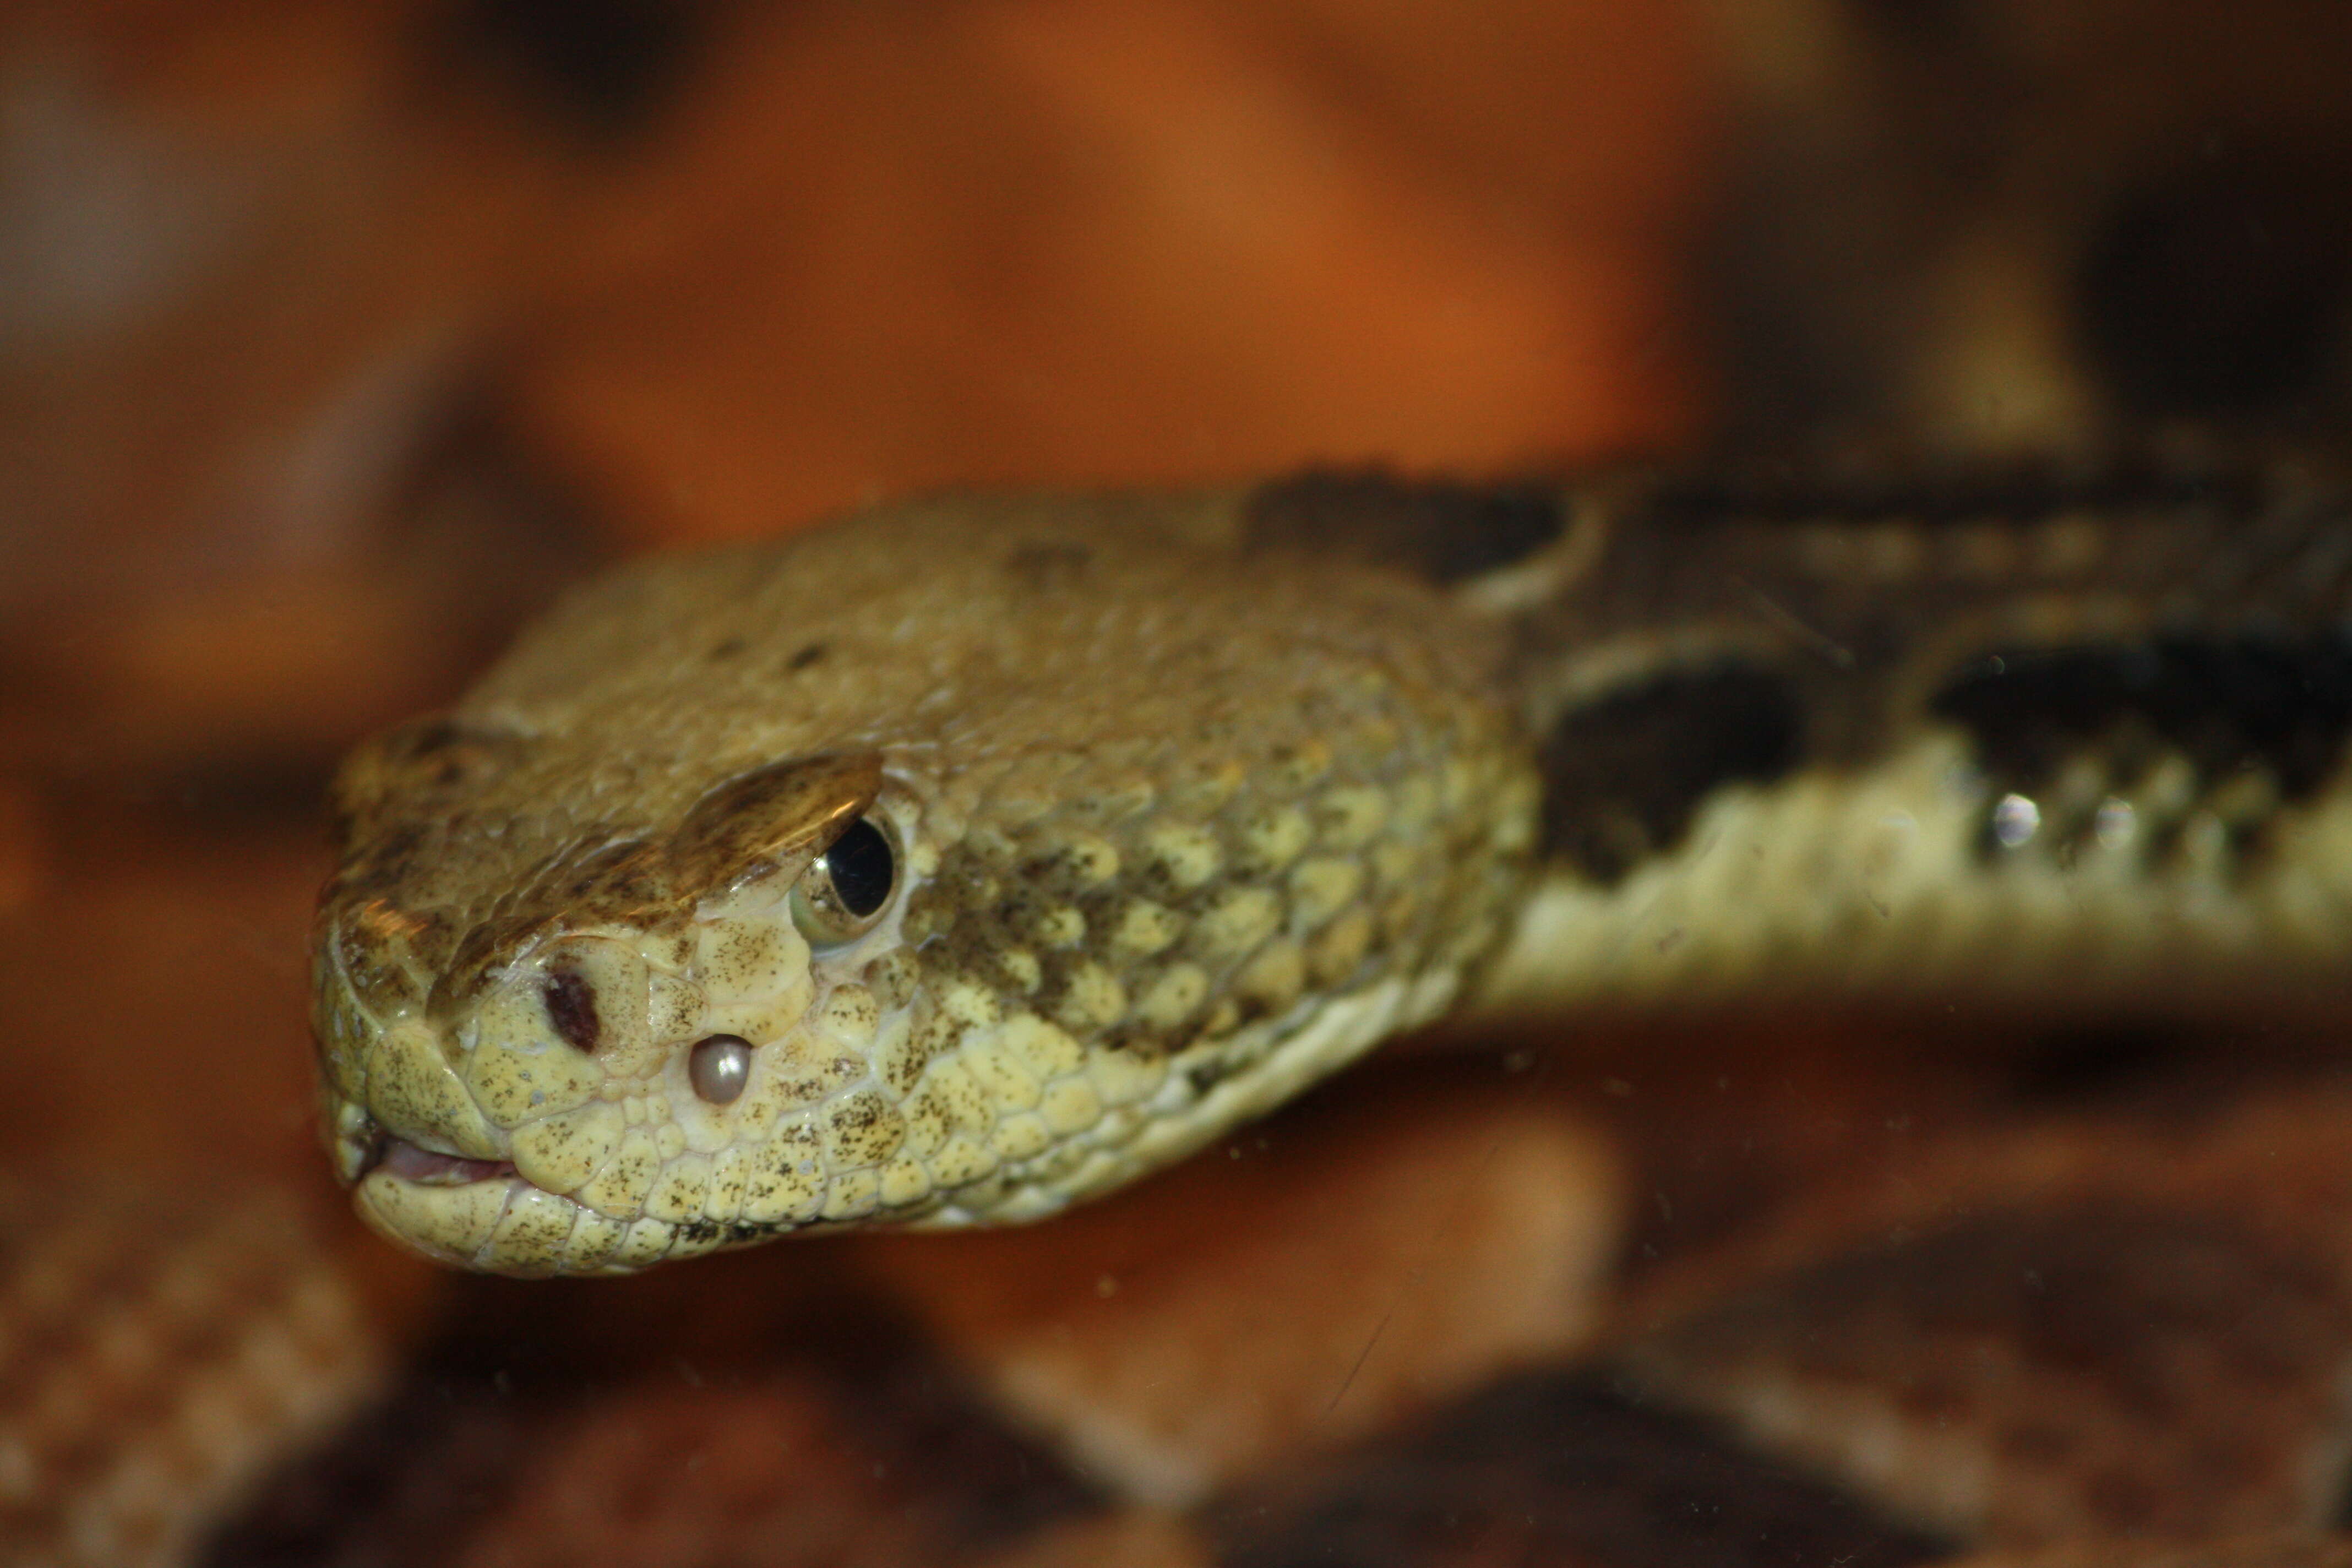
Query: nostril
{"points": [[718, 1066]]}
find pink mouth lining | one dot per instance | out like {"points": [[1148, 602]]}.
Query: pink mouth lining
{"points": [[410, 1163]]}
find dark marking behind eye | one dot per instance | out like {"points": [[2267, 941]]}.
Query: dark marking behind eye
{"points": [[1624, 776], [861, 866], [1440, 530], [812, 653], [571, 1009]]}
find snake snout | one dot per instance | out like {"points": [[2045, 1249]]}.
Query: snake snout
{"points": [[615, 1096]]}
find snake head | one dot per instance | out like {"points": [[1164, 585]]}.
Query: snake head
{"points": [[660, 944], [504, 1093]]}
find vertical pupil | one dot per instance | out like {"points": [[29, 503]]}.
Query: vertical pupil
{"points": [[859, 865]]}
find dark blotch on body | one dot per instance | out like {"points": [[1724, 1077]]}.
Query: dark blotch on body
{"points": [[2226, 704], [1440, 530], [1624, 776], [571, 1009], [809, 654]]}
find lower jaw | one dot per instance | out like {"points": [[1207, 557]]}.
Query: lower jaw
{"points": [[444, 1206], [482, 1215], [504, 1225]]}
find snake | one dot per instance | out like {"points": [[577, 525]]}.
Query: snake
{"points": [[975, 855], [958, 862]]}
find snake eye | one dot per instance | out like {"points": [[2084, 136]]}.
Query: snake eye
{"points": [[839, 897], [718, 1066]]}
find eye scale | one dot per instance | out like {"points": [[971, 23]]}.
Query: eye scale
{"points": [[718, 1066]]}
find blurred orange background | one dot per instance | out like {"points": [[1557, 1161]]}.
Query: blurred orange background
{"points": [[337, 336]]}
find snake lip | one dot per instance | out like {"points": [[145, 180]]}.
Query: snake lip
{"points": [[429, 1168]]}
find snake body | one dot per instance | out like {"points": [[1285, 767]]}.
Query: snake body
{"points": [[1185, 801]]}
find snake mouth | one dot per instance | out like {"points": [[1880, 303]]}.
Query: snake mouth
{"points": [[396, 1156], [365, 1147]]}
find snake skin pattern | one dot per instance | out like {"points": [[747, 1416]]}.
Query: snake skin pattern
{"points": [[1186, 802]]}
